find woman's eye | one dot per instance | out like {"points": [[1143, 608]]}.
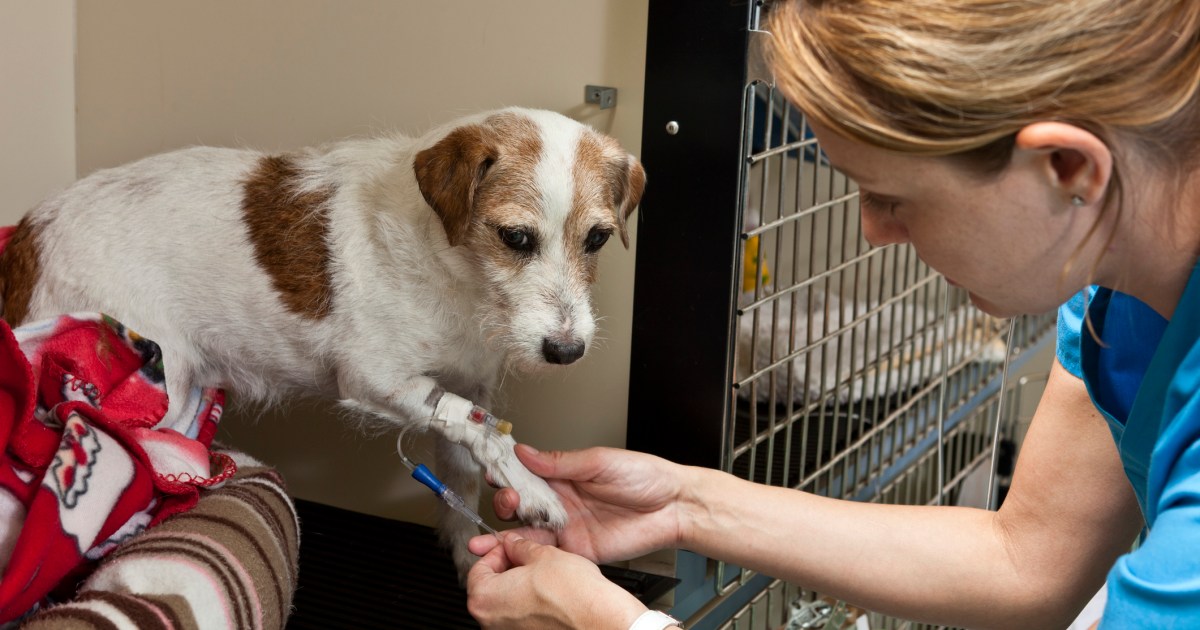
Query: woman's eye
{"points": [[875, 203], [596, 239], [518, 239]]}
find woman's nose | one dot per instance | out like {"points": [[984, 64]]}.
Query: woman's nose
{"points": [[882, 228]]}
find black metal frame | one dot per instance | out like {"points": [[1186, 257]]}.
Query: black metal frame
{"points": [[688, 236]]}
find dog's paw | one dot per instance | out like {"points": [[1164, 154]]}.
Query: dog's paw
{"points": [[494, 452], [540, 505]]}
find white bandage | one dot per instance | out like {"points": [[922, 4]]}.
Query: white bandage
{"points": [[655, 620], [453, 408], [452, 418]]}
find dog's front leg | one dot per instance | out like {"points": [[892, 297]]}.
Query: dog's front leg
{"points": [[456, 419], [458, 470], [421, 401]]}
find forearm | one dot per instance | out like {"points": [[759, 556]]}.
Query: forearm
{"points": [[1069, 514], [948, 565]]}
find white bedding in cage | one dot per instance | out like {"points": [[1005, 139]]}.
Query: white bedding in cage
{"points": [[851, 349]]}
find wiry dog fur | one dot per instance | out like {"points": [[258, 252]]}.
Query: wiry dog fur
{"points": [[398, 275]]}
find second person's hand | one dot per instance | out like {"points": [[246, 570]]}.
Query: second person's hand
{"points": [[521, 584]]}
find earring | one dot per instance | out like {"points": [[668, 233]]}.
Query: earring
{"points": [[1077, 201]]}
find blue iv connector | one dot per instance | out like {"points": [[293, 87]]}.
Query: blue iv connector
{"points": [[421, 473]]}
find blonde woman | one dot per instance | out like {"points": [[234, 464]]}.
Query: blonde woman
{"points": [[1031, 151]]}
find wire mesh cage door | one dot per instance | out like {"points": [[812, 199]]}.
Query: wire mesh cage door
{"points": [[969, 462], [769, 339]]}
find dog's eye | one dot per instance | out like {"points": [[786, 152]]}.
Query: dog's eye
{"points": [[517, 238], [596, 239]]}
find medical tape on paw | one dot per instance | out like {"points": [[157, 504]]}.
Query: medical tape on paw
{"points": [[461, 422], [451, 408]]}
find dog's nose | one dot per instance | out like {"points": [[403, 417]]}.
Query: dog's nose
{"points": [[560, 352]]}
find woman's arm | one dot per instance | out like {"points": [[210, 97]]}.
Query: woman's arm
{"points": [[1035, 563]]}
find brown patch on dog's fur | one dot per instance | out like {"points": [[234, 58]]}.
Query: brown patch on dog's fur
{"points": [[478, 167], [288, 228], [608, 180], [449, 172], [20, 269], [621, 177], [628, 180], [591, 203], [510, 182]]}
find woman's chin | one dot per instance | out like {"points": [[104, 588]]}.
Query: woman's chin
{"points": [[995, 310]]}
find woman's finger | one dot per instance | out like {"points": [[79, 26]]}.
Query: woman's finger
{"points": [[493, 562], [481, 545], [505, 503]]}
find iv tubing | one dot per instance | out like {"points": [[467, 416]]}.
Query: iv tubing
{"points": [[421, 473]]}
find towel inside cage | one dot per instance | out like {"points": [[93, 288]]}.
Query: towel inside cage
{"points": [[811, 345]]}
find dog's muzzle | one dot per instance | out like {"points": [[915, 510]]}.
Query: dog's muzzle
{"points": [[562, 352]]}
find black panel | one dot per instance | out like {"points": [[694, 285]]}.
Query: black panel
{"points": [[688, 228]]}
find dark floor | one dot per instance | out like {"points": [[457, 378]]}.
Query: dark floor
{"points": [[360, 571]]}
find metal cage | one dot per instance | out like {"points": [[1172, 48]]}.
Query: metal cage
{"points": [[769, 339]]}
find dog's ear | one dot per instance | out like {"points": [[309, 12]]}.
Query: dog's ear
{"points": [[628, 181], [449, 173]]}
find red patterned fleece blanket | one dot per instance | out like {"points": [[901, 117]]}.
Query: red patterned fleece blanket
{"points": [[89, 457]]}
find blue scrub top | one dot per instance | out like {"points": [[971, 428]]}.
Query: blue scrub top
{"points": [[1145, 380]]}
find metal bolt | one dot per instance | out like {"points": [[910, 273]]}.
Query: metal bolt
{"points": [[672, 127]]}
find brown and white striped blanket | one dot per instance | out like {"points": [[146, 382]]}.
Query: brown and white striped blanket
{"points": [[229, 562]]}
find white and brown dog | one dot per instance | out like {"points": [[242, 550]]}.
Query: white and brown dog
{"points": [[400, 276]]}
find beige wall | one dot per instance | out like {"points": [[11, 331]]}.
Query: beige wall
{"points": [[37, 102], [159, 74]]}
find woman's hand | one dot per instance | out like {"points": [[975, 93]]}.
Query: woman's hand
{"points": [[620, 504], [522, 584]]}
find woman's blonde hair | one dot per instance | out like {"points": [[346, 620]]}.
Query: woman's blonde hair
{"points": [[961, 77], [945, 77]]}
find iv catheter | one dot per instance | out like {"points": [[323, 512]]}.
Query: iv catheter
{"points": [[421, 473]]}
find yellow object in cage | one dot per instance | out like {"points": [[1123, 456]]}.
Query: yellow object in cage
{"points": [[751, 275]]}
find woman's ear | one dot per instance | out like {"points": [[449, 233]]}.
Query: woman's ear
{"points": [[1073, 159]]}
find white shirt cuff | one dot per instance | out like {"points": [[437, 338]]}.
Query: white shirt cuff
{"points": [[654, 620]]}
